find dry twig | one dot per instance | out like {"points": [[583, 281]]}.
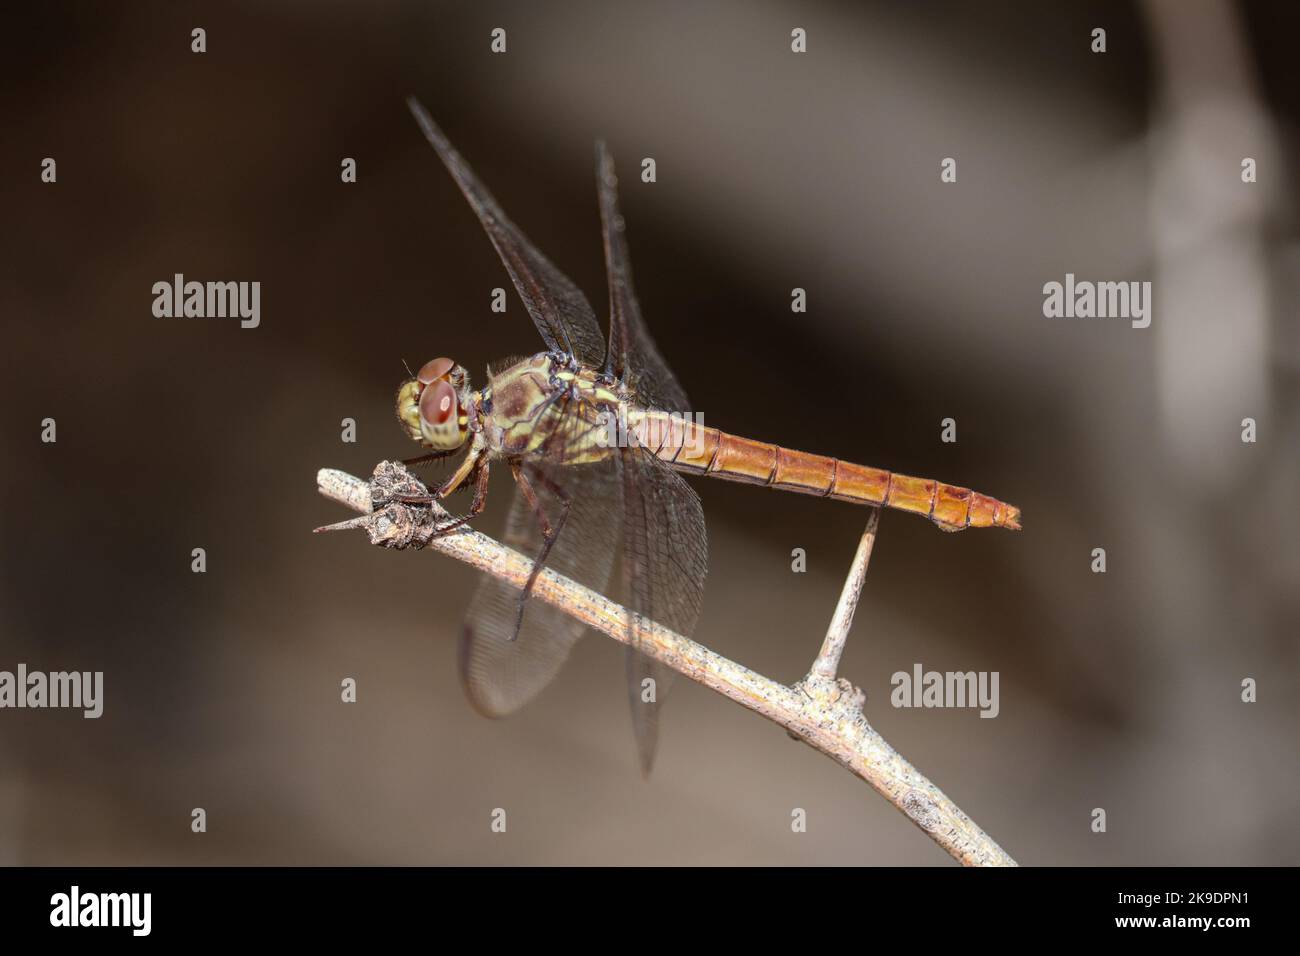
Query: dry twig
{"points": [[821, 710]]}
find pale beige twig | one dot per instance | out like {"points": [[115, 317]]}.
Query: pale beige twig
{"points": [[828, 659], [824, 712]]}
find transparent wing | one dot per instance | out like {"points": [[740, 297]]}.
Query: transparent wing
{"points": [[500, 675], [633, 357], [665, 559], [559, 309]]}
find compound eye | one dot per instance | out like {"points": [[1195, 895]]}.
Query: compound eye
{"points": [[432, 371], [438, 403]]}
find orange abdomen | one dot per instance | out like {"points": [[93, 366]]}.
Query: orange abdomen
{"points": [[699, 450]]}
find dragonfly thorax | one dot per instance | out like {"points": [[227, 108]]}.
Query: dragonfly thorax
{"points": [[547, 404]]}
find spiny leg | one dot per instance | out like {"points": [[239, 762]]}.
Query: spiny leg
{"points": [[476, 505], [549, 533], [466, 469], [425, 459]]}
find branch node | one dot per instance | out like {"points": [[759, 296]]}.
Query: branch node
{"points": [[832, 700]]}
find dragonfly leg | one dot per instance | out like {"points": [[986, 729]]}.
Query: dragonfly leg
{"points": [[476, 505], [549, 532], [457, 478], [425, 459]]}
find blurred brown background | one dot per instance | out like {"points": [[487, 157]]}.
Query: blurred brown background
{"points": [[775, 170]]}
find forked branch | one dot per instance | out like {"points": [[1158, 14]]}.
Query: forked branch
{"points": [[824, 712]]}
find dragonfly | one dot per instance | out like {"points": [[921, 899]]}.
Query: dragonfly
{"points": [[597, 433]]}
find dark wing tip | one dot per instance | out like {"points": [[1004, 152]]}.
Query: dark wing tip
{"points": [[646, 757], [464, 652]]}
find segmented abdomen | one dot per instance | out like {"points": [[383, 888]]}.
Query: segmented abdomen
{"points": [[699, 450]]}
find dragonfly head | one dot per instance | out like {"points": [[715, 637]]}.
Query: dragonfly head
{"points": [[432, 405]]}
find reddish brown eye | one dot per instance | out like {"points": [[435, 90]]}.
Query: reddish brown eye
{"points": [[438, 403], [432, 371]]}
